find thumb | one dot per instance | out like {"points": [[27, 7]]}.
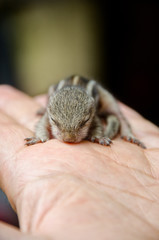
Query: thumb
{"points": [[9, 232]]}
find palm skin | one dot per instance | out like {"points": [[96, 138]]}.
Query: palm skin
{"points": [[77, 191]]}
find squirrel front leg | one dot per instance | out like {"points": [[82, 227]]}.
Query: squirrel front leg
{"points": [[42, 133], [96, 133]]}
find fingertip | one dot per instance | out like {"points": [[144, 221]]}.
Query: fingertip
{"points": [[41, 99]]}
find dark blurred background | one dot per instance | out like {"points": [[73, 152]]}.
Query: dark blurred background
{"points": [[115, 42]]}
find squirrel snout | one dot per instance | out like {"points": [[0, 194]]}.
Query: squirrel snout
{"points": [[69, 137]]}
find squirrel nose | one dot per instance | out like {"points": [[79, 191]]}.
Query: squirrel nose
{"points": [[69, 137]]}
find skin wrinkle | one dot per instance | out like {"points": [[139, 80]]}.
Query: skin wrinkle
{"points": [[116, 161], [147, 222], [126, 191], [97, 182], [44, 215], [53, 162], [68, 198], [148, 214], [26, 223], [146, 186], [79, 162], [140, 183], [151, 166], [147, 210], [144, 213], [83, 175], [136, 215], [35, 222], [115, 199], [88, 166], [137, 170], [130, 167]]}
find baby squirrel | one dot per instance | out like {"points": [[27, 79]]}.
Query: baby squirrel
{"points": [[79, 109]]}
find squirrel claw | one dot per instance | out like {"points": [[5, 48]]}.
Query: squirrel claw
{"points": [[101, 140], [32, 140], [134, 140]]}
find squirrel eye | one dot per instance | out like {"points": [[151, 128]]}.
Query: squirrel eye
{"points": [[53, 120], [84, 122]]}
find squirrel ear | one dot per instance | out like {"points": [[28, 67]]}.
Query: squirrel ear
{"points": [[51, 90]]}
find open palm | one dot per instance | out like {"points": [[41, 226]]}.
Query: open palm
{"points": [[77, 191]]}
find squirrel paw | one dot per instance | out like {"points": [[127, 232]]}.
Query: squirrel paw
{"points": [[101, 140], [133, 140], [33, 140]]}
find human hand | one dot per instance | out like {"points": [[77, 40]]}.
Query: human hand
{"points": [[77, 191]]}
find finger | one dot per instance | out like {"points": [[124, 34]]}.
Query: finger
{"points": [[11, 132], [19, 106], [8, 232], [41, 99], [12, 136]]}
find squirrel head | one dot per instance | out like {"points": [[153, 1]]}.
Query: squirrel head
{"points": [[71, 111]]}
